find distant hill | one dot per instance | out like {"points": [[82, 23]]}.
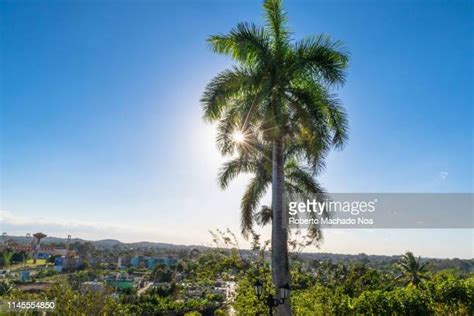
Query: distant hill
{"points": [[108, 243], [378, 261]]}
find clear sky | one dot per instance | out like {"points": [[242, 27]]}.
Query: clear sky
{"points": [[102, 135]]}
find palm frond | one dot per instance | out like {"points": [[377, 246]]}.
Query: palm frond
{"points": [[276, 20], [303, 179], [317, 109], [233, 168], [246, 43], [310, 126], [253, 193], [323, 58], [225, 129], [225, 88], [338, 122], [265, 215]]}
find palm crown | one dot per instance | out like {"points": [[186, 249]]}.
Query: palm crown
{"points": [[279, 88], [413, 271]]}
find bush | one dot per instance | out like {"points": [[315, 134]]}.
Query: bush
{"points": [[46, 273], [409, 301], [320, 300]]}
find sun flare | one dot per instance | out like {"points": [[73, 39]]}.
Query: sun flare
{"points": [[238, 137]]}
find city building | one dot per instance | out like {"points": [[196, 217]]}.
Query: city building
{"points": [[67, 263], [24, 276]]}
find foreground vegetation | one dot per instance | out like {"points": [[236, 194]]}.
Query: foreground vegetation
{"points": [[324, 289], [359, 290]]}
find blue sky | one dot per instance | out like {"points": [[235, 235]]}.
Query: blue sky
{"points": [[101, 125]]}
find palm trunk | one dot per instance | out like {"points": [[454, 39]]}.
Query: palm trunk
{"points": [[280, 267]]}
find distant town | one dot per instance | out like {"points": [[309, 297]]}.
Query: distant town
{"points": [[34, 263]]}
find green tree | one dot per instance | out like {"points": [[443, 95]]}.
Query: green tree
{"points": [[161, 273], [5, 258], [412, 270], [19, 257], [361, 278], [277, 93], [5, 288], [451, 295]]}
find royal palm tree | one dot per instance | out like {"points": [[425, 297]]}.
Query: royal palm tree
{"points": [[277, 93], [412, 270]]}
